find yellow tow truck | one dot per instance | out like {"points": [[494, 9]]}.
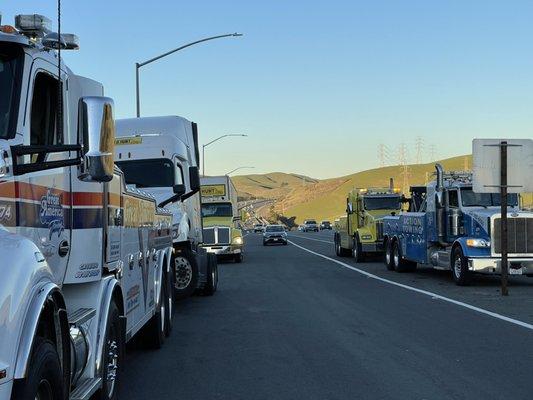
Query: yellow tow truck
{"points": [[360, 231]]}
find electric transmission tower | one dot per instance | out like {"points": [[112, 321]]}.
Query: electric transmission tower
{"points": [[432, 153], [419, 147], [405, 170], [382, 154]]}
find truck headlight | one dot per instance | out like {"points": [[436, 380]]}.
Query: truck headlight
{"points": [[366, 237], [237, 240], [477, 243]]}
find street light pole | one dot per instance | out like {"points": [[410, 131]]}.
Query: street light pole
{"points": [[142, 64], [213, 141]]}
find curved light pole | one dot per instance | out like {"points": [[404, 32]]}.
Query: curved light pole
{"points": [[213, 141], [238, 168], [151, 60]]}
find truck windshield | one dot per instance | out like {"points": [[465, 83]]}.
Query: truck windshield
{"points": [[11, 59], [217, 210], [156, 172], [471, 199], [382, 203], [310, 222]]}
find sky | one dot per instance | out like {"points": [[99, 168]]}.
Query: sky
{"points": [[317, 86]]}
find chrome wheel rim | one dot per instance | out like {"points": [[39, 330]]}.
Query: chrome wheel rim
{"points": [[354, 250], [183, 273], [44, 390], [457, 266], [112, 366], [387, 255], [396, 256]]}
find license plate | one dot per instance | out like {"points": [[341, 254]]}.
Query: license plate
{"points": [[275, 240], [515, 271]]}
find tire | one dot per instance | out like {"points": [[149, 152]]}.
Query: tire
{"points": [[112, 356], [357, 251], [169, 309], [156, 327], [400, 264], [284, 243], [341, 251], [387, 257], [238, 258], [44, 379], [185, 271], [461, 274], [212, 276], [264, 243]]}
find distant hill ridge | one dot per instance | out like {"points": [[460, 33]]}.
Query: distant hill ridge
{"points": [[305, 197]]}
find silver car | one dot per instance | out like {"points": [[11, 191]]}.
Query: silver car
{"points": [[274, 234]]}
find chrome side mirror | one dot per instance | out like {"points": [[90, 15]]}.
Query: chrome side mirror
{"points": [[96, 135]]}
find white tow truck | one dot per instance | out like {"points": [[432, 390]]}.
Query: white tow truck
{"points": [[85, 260], [161, 155]]}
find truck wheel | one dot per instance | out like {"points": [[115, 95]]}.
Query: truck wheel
{"points": [[238, 258], [388, 256], [460, 272], [156, 328], [401, 265], [111, 356], [357, 251], [44, 380], [185, 275], [212, 276], [169, 309]]}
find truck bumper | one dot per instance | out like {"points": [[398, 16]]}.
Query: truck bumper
{"points": [[517, 266], [223, 250]]}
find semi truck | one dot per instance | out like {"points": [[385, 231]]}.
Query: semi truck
{"points": [[450, 227], [220, 214], [85, 259], [160, 155], [359, 232]]}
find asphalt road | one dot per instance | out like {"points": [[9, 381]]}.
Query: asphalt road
{"points": [[288, 324]]}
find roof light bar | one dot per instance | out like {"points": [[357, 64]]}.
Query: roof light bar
{"points": [[33, 25]]}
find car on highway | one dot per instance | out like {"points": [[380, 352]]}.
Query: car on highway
{"points": [[325, 225], [274, 234], [300, 228], [310, 225], [259, 228]]}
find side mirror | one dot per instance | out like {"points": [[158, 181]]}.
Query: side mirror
{"points": [[96, 135], [179, 189], [349, 209], [194, 178]]}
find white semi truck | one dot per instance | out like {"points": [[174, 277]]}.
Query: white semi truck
{"points": [[85, 260], [220, 215], [160, 155]]}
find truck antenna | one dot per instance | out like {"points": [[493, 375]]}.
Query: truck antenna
{"points": [[59, 85]]}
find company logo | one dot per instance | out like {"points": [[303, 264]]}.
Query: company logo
{"points": [[51, 213]]}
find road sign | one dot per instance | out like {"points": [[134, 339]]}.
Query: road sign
{"points": [[487, 165]]}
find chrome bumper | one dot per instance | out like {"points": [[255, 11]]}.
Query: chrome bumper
{"points": [[493, 265], [221, 250]]}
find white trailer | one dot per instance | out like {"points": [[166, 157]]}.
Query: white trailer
{"points": [[85, 260], [160, 155]]}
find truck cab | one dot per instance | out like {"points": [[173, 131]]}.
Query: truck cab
{"points": [[160, 155], [222, 235], [449, 226], [85, 259], [360, 232]]}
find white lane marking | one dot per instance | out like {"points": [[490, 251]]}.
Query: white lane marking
{"points": [[425, 292], [308, 238]]}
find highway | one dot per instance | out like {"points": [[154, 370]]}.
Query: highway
{"points": [[290, 324]]}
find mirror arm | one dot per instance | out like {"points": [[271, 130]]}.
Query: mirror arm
{"points": [[190, 194]]}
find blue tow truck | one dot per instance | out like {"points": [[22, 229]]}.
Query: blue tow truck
{"points": [[450, 227]]}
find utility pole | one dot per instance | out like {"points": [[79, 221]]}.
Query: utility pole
{"points": [[404, 168]]}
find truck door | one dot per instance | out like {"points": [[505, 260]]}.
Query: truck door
{"points": [[44, 198]]}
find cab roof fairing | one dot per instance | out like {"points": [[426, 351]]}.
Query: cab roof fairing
{"points": [[152, 147]]}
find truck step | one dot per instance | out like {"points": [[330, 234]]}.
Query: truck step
{"points": [[86, 389], [81, 315]]}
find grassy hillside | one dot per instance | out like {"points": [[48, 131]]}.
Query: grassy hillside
{"points": [[325, 199]]}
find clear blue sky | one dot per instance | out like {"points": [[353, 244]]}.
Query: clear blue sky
{"points": [[316, 85]]}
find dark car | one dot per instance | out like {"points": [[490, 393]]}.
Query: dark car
{"points": [[325, 225]]}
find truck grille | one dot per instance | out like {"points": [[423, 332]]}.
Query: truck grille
{"points": [[519, 235], [379, 230], [216, 235]]}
